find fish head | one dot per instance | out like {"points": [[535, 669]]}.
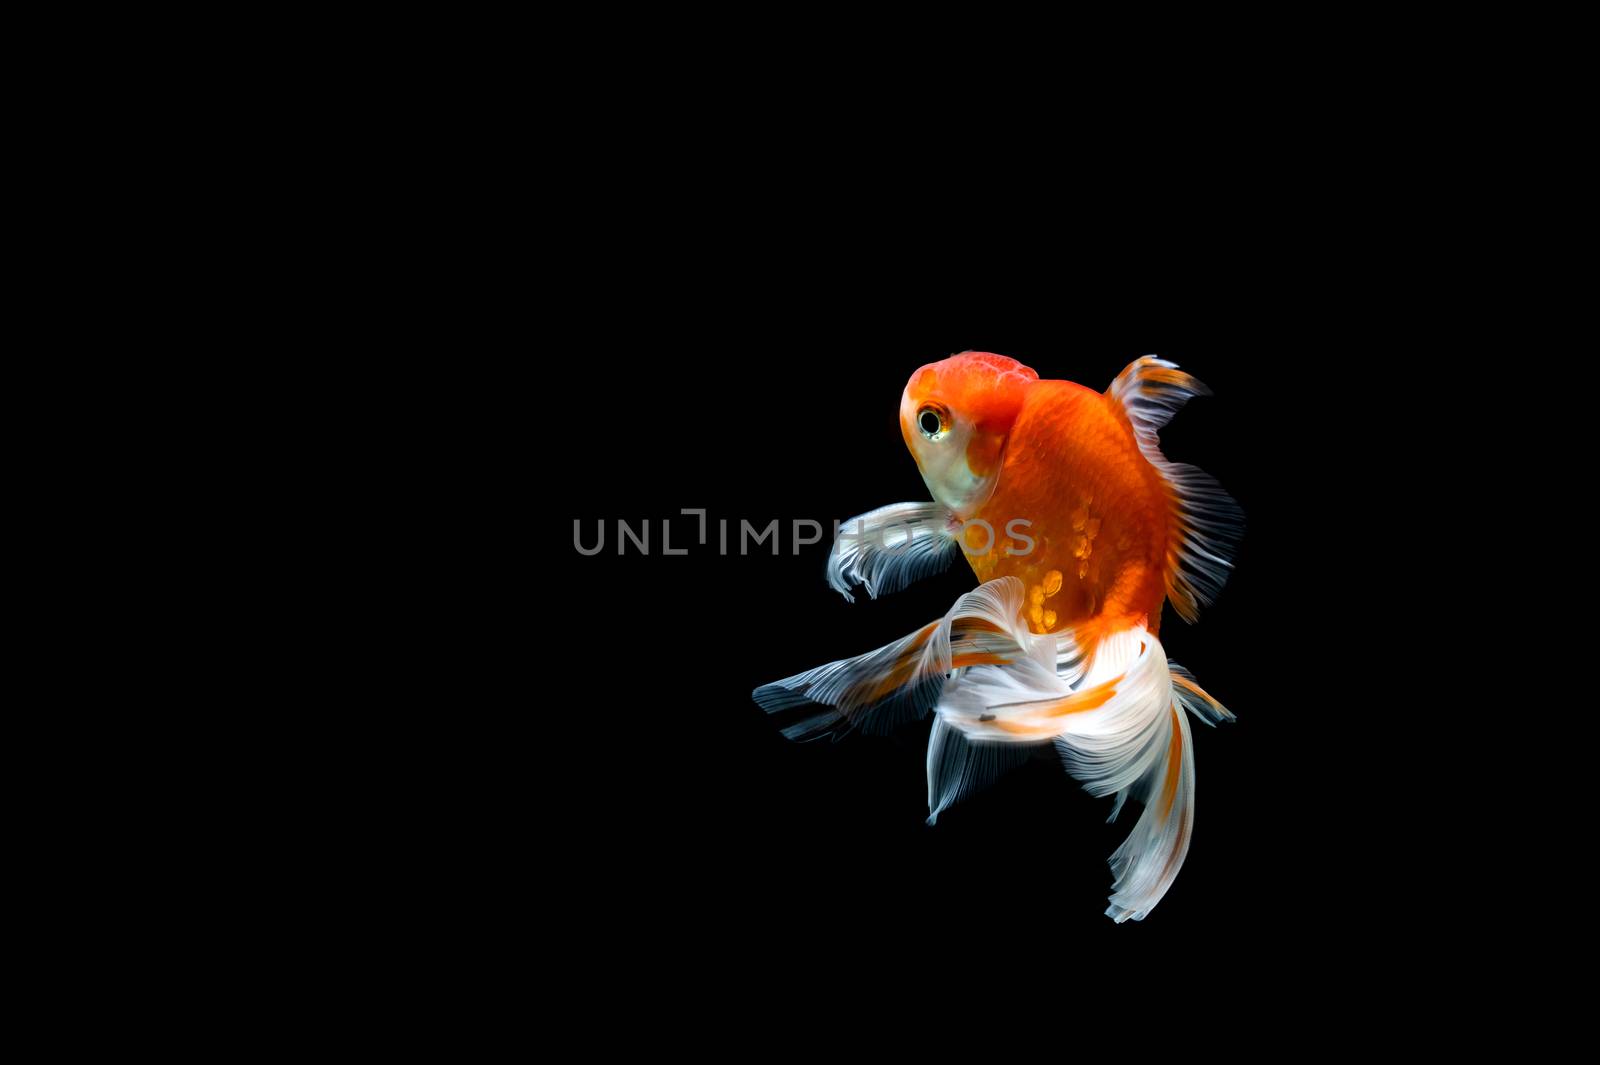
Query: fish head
{"points": [[956, 416]]}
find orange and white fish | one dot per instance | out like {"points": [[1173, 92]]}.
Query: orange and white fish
{"points": [[1078, 529]]}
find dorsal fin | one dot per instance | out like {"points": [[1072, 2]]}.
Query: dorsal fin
{"points": [[1206, 523]]}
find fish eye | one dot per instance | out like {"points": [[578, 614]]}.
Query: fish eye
{"points": [[930, 421]]}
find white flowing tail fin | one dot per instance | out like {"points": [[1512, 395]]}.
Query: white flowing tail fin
{"points": [[1115, 709], [1148, 861], [1120, 730]]}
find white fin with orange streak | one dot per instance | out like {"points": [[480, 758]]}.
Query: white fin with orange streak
{"points": [[901, 680], [1197, 700], [1108, 700], [1120, 731], [886, 549], [983, 726], [1206, 522]]}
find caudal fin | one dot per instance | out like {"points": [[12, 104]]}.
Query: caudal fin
{"points": [[1148, 860], [1120, 730], [1115, 709]]}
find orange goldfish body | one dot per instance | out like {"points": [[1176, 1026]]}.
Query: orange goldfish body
{"points": [[1078, 530]]}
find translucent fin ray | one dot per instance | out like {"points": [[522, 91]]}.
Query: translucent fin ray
{"points": [[959, 767], [886, 549], [1195, 699], [1206, 523], [901, 680]]}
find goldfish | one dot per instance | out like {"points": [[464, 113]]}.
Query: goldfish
{"points": [[1079, 531]]}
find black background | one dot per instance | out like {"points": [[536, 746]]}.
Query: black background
{"points": [[677, 818]]}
